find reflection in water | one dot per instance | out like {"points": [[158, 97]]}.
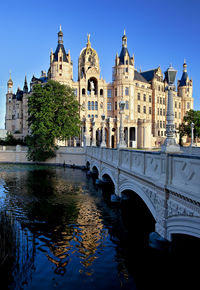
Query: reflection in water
{"points": [[57, 230]]}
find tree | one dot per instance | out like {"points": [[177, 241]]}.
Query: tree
{"points": [[53, 114], [185, 127]]}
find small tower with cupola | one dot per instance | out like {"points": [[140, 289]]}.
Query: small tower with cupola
{"points": [[185, 88], [61, 67]]}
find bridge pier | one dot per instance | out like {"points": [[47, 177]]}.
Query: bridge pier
{"points": [[156, 241]]}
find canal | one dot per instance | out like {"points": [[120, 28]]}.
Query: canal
{"points": [[59, 230]]}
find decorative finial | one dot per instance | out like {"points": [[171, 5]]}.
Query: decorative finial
{"points": [[88, 41], [60, 28], [184, 60], [124, 31]]}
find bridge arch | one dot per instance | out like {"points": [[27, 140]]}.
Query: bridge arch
{"points": [[136, 189], [186, 225], [106, 171]]}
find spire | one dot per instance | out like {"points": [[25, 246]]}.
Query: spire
{"points": [[25, 89], [60, 36], [10, 84], [184, 66], [88, 41], [124, 39]]}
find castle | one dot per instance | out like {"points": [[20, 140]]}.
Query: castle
{"points": [[144, 94]]}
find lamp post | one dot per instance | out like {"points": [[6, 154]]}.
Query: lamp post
{"points": [[122, 143], [192, 134], [93, 133], [170, 141], [103, 142]]}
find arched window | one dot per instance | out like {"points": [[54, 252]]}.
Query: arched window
{"points": [[96, 105], [126, 91], [89, 106], [92, 105], [101, 92], [83, 91], [126, 105]]}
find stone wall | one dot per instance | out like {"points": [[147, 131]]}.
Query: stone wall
{"points": [[65, 155]]}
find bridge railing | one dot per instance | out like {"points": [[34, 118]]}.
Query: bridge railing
{"points": [[175, 172]]}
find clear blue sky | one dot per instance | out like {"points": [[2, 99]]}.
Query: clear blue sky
{"points": [[159, 33]]}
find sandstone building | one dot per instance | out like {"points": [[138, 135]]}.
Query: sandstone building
{"points": [[144, 94]]}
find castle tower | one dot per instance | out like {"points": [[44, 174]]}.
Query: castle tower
{"points": [[185, 89], [9, 105], [61, 67]]}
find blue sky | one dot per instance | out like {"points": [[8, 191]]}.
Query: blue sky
{"points": [[159, 33]]}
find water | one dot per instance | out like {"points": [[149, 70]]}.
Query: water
{"points": [[60, 231]]}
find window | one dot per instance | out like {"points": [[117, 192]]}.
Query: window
{"points": [[160, 112], [163, 112], [161, 133], [60, 58], [126, 105], [126, 62], [160, 100], [83, 91], [144, 109], [89, 105], [115, 92], [138, 96], [157, 124], [175, 104], [138, 108], [144, 98], [126, 69], [149, 99], [101, 92], [109, 106], [92, 105], [188, 105], [149, 110], [163, 101], [109, 93], [115, 105], [126, 91], [179, 114], [160, 124], [60, 66], [88, 115], [163, 124], [175, 114], [96, 105], [179, 105]]}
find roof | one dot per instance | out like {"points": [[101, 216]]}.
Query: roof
{"points": [[122, 54], [139, 77], [148, 75], [183, 81], [60, 46]]}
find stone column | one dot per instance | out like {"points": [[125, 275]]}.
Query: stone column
{"points": [[103, 142], [93, 134], [121, 143]]}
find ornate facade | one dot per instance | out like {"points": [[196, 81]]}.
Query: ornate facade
{"points": [[144, 95]]}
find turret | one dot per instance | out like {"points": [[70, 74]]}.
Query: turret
{"points": [[10, 85], [61, 67], [25, 89], [185, 88]]}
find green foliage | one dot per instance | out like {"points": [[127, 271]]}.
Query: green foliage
{"points": [[53, 114], [10, 140], [185, 127]]}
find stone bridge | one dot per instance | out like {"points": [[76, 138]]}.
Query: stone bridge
{"points": [[169, 185]]}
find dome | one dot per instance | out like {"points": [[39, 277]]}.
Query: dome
{"points": [[10, 82], [88, 58]]}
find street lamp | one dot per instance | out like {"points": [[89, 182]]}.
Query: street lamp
{"points": [[122, 143], [103, 142], [170, 141]]}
